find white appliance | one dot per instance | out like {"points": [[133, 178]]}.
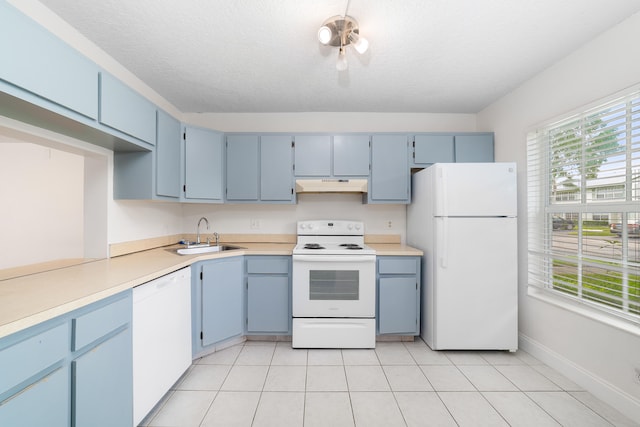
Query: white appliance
{"points": [[463, 217], [161, 329], [334, 286]]}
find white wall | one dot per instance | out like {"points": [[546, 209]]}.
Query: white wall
{"points": [[593, 354], [42, 197], [281, 219], [334, 122]]}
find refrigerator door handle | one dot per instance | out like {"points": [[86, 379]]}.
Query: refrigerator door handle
{"points": [[444, 259], [444, 201]]}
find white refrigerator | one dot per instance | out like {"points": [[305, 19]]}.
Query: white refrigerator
{"points": [[463, 217]]}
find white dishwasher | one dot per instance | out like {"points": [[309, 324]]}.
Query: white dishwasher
{"points": [[161, 329]]}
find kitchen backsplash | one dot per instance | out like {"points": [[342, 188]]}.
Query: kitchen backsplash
{"points": [[281, 219]]}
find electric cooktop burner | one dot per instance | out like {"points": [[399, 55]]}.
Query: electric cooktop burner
{"points": [[351, 246], [313, 246]]}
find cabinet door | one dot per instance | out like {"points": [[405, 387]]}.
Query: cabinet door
{"points": [[268, 304], [203, 164], [313, 155], [102, 389], [45, 403], [222, 296], [39, 62], [430, 149], [276, 168], [474, 148], [168, 156], [124, 109], [397, 305], [351, 155], [390, 174], [242, 167]]}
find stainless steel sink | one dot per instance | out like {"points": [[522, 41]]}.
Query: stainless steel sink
{"points": [[206, 249]]}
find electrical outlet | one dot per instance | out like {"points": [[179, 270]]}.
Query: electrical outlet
{"points": [[637, 375], [255, 224], [389, 224]]}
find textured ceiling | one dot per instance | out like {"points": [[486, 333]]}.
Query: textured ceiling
{"points": [[434, 56]]}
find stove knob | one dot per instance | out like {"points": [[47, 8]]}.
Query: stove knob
{"points": [[303, 226], [350, 226], [357, 226]]}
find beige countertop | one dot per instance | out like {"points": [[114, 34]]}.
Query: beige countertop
{"points": [[28, 300], [391, 249]]}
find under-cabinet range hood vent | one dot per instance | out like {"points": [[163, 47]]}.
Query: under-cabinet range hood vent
{"points": [[331, 186]]}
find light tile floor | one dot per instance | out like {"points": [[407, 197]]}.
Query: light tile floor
{"points": [[397, 384]]}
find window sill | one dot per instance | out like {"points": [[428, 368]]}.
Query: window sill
{"points": [[584, 310]]}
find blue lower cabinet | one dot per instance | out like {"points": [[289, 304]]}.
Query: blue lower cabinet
{"points": [[73, 370], [222, 297], [44, 403], [102, 387], [268, 295], [398, 295]]}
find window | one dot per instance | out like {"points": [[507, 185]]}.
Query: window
{"points": [[584, 207]]}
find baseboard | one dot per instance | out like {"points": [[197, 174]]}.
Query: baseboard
{"points": [[603, 390]]}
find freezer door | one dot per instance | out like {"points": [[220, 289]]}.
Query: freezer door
{"points": [[475, 189], [475, 287]]}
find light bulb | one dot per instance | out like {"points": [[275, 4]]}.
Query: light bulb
{"points": [[324, 34], [359, 43], [342, 64]]}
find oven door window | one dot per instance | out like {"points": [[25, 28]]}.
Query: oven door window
{"points": [[334, 285]]}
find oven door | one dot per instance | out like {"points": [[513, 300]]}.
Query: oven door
{"points": [[334, 285]]}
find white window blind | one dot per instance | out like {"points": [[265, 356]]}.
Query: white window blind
{"points": [[583, 176]]}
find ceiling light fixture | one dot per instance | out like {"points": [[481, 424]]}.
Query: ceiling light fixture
{"points": [[342, 31]]}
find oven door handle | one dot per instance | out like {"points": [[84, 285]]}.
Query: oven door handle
{"points": [[335, 258]]}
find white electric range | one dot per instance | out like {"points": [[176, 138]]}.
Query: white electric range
{"points": [[334, 289]]}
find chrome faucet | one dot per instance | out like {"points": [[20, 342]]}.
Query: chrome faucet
{"points": [[217, 237], [198, 229]]}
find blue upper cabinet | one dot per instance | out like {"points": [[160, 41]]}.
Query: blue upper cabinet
{"points": [[123, 109], [204, 163], [474, 148], [149, 175], [428, 149], [323, 156], [243, 167], [390, 174], [313, 155], [259, 168], [351, 155], [449, 148], [43, 65], [167, 174], [276, 169]]}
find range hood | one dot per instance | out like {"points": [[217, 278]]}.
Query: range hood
{"points": [[331, 186]]}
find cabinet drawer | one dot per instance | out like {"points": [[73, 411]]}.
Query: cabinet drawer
{"points": [[33, 355], [398, 265], [98, 323], [268, 265]]}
